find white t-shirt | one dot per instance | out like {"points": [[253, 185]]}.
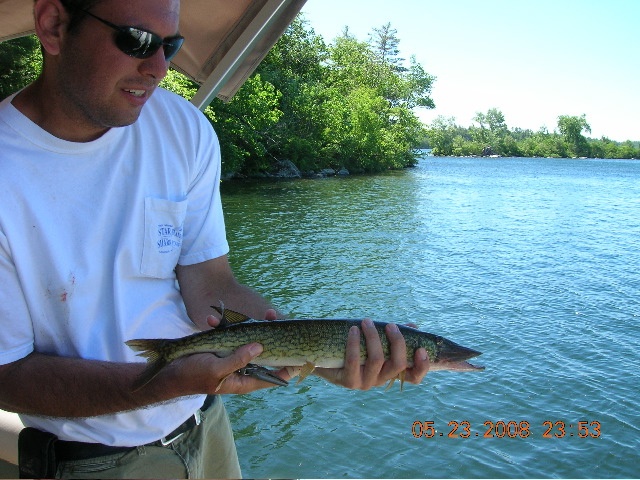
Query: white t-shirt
{"points": [[90, 234]]}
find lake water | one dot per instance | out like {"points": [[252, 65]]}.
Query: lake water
{"points": [[534, 262]]}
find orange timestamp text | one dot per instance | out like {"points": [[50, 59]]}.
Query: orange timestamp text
{"points": [[509, 429]]}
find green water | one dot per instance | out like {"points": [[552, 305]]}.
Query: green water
{"points": [[534, 262]]}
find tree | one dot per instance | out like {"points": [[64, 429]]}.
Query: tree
{"points": [[20, 64], [496, 122], [571, 128], [385, 41], [418, 83], [441, 134], [296, 67], [379, 123], [492, 130]]}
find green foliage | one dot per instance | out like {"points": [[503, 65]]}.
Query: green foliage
{"points": [[20, 63], [329, 106], [490, 130], [246, 126], [447, 138], [178, 83], [571, 129]]}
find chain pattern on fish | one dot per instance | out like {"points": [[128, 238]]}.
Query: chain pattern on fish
{"points": [[291, 343]]}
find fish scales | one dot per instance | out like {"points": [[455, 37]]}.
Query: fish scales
{"points": [[315, 343], [296, 342]]}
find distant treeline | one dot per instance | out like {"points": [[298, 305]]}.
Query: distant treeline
{"points": [[490, 136], [347, 104]]}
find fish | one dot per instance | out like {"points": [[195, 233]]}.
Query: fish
{"points": [[305, 343]]}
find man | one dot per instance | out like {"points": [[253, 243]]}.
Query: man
{"points": [[109, 195]]}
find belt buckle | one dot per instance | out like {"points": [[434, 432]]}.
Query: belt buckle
{"points": [[165, 442]]}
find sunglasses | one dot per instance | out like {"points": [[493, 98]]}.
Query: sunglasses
{"points": [[139, 43]]}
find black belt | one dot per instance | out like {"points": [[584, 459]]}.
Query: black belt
{"points": [[68, 451]]}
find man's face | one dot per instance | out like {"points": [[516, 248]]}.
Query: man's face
{"points": [[101, 86]]}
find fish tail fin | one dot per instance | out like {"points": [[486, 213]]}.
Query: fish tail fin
{"points": [[155, 351]]}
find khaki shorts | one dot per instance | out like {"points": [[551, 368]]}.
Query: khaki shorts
{"points": [[206, 451]]}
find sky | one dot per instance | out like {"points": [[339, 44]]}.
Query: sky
{"points": [[532, 60]]}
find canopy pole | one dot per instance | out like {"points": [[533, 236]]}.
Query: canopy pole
{"points": [[238, 52]]}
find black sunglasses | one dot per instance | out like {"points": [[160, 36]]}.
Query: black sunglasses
{"points": [[139, 43]]}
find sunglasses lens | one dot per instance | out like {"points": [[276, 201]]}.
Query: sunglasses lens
{"points": [[142, 44], [171, 47], [138, 43]]}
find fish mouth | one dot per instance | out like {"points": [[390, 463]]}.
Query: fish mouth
{"points": [[452, 352], [452, 356]]}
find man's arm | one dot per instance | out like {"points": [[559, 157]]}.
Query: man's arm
{"points": [[208, 283], [71, 387]]}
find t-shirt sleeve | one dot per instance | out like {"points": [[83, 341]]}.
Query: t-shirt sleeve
{"points": [[16, 339], [204, 229]]}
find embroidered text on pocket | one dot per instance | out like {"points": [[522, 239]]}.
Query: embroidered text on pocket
{"points": [[164, 224]]}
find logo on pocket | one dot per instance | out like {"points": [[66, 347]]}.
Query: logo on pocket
{"points": [[169, 238]]}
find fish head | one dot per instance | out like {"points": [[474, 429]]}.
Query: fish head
{"points": [[451, 356]]}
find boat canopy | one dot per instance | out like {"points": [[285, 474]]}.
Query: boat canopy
{"points": [[225, 40]]}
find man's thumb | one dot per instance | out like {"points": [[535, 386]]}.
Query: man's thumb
{"points": [[242, 356]]}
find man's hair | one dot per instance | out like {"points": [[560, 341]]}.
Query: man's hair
{"points": [[75, 9]]}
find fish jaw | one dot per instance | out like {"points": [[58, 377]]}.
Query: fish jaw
{"points": [[455, 366], [452, 356], [449, 351]]}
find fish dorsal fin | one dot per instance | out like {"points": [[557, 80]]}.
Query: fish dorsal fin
{"points": [[229, 317]]}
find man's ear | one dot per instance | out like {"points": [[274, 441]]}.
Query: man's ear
{"points": [[51, 20]]}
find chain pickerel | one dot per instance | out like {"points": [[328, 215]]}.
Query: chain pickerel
{"points": [[294, 343]]}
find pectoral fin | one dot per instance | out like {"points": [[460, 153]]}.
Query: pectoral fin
{"points": [[305, 371], [392, 381]]}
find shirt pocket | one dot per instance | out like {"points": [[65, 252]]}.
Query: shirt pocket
{"points": [[163, 230]]}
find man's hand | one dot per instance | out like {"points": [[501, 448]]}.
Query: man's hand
{"points": [[220, 372], [376, 371], [218, 375]]}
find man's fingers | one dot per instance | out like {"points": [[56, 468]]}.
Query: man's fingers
{"points": [[398, 351], [420, 367], [271, 314], [375, 356], [213, 321], [350, 374], [238, 359]]}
